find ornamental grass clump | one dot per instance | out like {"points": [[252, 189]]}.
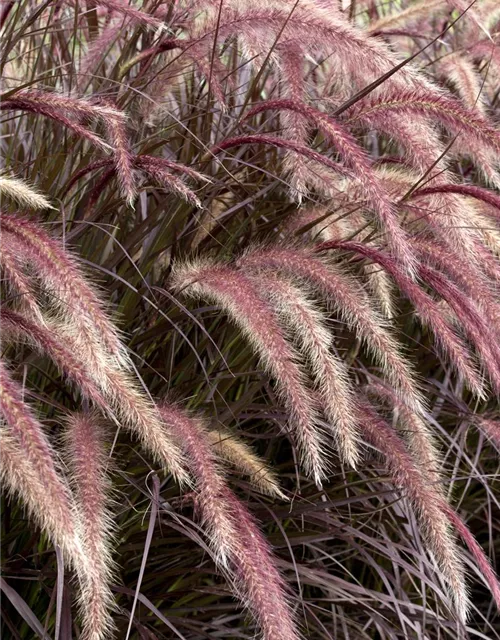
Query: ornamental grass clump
{"points": [[250, 319]]}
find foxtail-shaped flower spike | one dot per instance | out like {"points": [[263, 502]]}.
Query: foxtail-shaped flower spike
{"points": [[420, 439], [425, 307], [239, 546], [60, 275], [29, 470], [426, 501], [358, 161], [305, 322], [127, 11], [87, 463], [22, 193], [110, 388], [346, 297], [239, 297], [234, 451]]}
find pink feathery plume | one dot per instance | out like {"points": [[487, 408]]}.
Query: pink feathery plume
{"points": [[75, 107], [239, 297], [346, 297], [113, 119], [490, 427], [280, 143], [427, 502], [407, 17], [97, 49], [426, 308], [313, 29], [304, 320], [479, 137], [416, 433], [295, 127], [29, 469], [111, 388], [17, 104], [118, 138], [358, 161], [160, 170], [18, 282], [239, 546], [87, 462], [483, 564], [467, 276], [60, 275], [459, 70], [100, 364], [449, 220], [233, 451], [472, 320], [45, 336]]}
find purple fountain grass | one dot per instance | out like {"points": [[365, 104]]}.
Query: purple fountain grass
{"points": [[357, 160], [97, 49], [427, 502], [306, 322], [295, 127], [161, 173], [477, 553], [61, 276], [318, 222], [18, 282], [46, 337], [60, 107], [159, 169], [479, 137], [239, 297], [237, 453], [22, 193], [117, 136], [87, 461], [233, 532], [420, 439], [209, 481], [29, 470], [449, 221], [313, 29], [112, 389], [280, 143], [75, 107], [346, 297], [472, 321], [407, 17], [459, 70], [18, 104], [490, 427], [426, 308], [471, 280], [85, 344]]}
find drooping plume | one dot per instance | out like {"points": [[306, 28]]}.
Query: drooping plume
{"points": [[240, 299], [304, 321], [87, 462], [346, 297], [242, 457], [239, 546]]}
